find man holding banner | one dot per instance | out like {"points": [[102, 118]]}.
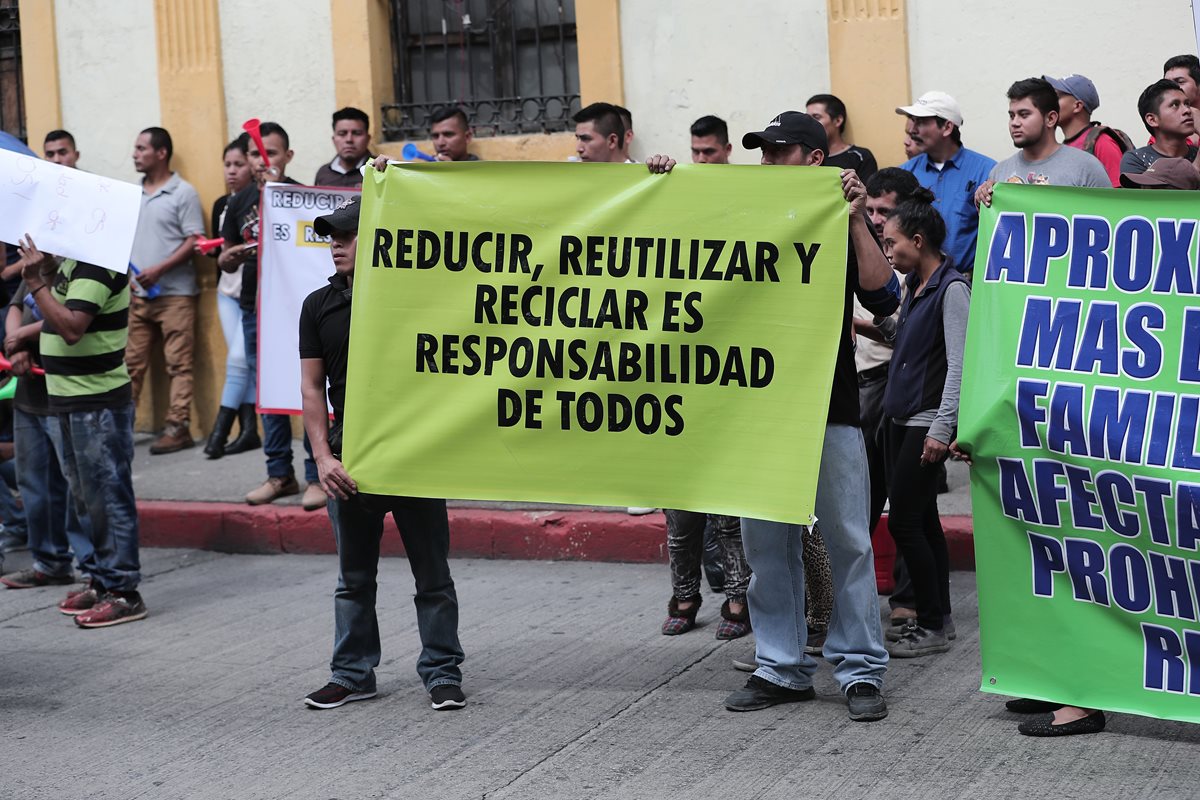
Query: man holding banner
{"points": [[358, 518], [854, 644]]}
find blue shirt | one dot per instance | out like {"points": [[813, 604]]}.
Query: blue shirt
{"points": [[954, 188]]}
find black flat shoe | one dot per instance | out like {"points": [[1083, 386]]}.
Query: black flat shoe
{"points": [[1092, 723], [1024, 705]]}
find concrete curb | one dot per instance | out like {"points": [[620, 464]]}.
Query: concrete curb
{"points": [[474, 533]]}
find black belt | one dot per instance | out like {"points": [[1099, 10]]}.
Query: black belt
{"points": [[874, 373]]}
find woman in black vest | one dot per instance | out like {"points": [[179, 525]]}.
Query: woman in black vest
{"points": [[921, 410]]}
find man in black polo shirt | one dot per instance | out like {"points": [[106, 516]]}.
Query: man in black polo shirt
{"points": [[358, 519]]}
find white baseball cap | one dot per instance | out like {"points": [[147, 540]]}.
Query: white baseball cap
{"points": [[934, 104]]}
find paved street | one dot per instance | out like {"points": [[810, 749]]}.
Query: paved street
{"points": [[573, 693]]}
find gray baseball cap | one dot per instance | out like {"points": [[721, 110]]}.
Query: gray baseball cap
{"points": [[1079, 87]]}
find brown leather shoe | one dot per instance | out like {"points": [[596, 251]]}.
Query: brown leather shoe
{"points": [[272, 490], [314, 497], [175, 437]]}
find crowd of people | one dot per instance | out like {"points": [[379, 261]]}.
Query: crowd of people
{"points": [[803, 591]]}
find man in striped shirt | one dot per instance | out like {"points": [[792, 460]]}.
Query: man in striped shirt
{"points": [[86, 324]]}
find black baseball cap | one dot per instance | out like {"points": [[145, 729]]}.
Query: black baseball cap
{"points": [[790, 127], [343, 218]]}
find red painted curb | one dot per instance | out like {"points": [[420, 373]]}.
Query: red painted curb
{"points": [[474, 533]]}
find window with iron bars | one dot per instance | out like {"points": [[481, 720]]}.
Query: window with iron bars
{"points": [[12, 92], [511, 65]]}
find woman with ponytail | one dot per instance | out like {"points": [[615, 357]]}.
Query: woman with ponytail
{"points": [[921, 409]]}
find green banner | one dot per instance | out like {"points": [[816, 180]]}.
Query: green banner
{"points": [[1080, 408], [595, 334]]}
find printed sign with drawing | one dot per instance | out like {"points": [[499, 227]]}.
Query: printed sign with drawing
{"points": [[68, 212]]}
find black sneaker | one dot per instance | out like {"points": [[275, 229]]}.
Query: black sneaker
{"points": [[333, 695], [759, 693], [447, 697], [865, 702]]}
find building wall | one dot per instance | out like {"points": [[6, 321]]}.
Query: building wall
{"points": [[975, 51], [277, 58], [108, 70], [685, 58], [680, 59], [744, 62]]}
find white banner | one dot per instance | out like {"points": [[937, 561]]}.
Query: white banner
{"points": [[293, 262], [68, 213], [1196, 23]]}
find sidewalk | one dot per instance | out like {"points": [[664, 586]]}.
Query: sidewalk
{"points": [[573, 693], [186, 500]]}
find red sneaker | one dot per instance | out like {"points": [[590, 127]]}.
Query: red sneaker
{"points": [[79, 600], [112, 609]]}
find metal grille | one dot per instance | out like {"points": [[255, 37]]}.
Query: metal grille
{"points": [[511, 65], [12, 92]]}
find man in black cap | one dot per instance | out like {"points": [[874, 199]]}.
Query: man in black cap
{"points": [[854, 644], [358, 519]]}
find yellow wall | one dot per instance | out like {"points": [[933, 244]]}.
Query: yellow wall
{"points": [[191, 94], [39, 69], [868, 70], [531, 147], [362, 57], [598, 26]]}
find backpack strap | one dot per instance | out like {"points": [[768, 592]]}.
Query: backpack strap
{"points": [[1119, 136]]}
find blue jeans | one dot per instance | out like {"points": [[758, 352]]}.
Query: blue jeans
{"points": [[11, 513], [239, 380], [95, 449], [425, 530], [854, 644], [54, 524], [277, 428]]}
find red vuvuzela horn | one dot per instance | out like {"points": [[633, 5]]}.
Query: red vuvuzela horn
{"points": [[251, 126], [206, 246], [6, 366]]}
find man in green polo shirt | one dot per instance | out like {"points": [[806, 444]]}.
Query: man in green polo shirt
{"points": [[84, 332]]}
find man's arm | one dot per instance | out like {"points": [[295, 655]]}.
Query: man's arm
{"points": [[874, 271], [235, 252], [191, 221], [867, 330], [12, 321], [333, 477], [181, 254], [18, 337], [69, 323]]}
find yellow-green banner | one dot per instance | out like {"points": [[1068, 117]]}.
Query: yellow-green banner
{"points": [[595, 334]]}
